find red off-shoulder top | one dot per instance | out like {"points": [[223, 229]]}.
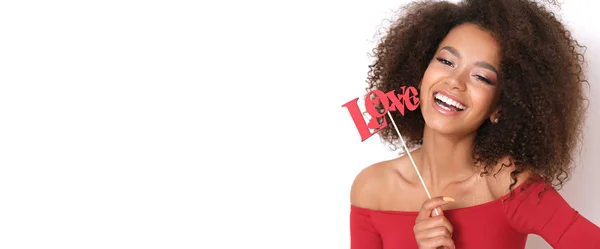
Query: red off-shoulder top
{"points": [[501, 224]]}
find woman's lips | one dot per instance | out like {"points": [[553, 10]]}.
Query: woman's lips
{"points": [[447, 105]]}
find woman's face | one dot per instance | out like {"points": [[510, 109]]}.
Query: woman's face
{"points": [[459, 89]]}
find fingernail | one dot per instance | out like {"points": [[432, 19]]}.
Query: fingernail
{"points": [[448, 198]]}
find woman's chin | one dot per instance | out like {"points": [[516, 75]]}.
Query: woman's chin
{"points": [[450, 129], [445, 127], [441, 129]]}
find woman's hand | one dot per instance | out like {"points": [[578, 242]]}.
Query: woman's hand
{"points": [[433, 231]]}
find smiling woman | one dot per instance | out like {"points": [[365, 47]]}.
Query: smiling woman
{"points": [[461, 82], [501, 105]]}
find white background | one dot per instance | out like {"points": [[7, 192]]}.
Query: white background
{"points": [[181, 124]]}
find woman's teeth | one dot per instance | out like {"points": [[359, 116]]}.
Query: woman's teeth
{"points": [[446, 102]]}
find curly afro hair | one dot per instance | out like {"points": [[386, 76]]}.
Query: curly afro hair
{"points": [[542, 99]]}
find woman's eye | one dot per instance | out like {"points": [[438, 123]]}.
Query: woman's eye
{"points": [[444, 61], [481, 78]]}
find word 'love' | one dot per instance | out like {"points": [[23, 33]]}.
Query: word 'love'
{"points": [[407, 98]]}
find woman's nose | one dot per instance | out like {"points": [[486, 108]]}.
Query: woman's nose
{"points": [[457, 80]]}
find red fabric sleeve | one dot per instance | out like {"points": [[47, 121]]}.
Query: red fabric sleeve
{"points": [[540, 209], [363, 234]]}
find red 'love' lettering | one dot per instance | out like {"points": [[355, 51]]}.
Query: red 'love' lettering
{"points": [[407, 99]]}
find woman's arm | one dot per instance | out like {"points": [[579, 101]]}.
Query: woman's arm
{"points": [[363, 197], [363, 234], [540, 209]]}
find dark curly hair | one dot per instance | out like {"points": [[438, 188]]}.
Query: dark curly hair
{"points": [[542, 99]]}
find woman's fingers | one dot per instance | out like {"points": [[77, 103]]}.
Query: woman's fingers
{"points": [[434, 238], [433, 231], [429, 205], [434, 222]]}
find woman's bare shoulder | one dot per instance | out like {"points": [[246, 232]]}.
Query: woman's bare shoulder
{"points": [[374, 181]]}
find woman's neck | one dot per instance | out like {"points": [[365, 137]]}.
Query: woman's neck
{"points": [[445, 160]]}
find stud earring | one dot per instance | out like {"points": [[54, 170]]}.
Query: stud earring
{"points": [[496, 120]]}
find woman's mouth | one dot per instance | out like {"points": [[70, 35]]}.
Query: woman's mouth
{"points": [[447, 104]]}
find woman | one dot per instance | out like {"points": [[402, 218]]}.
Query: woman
{"points": [[501, 104]]}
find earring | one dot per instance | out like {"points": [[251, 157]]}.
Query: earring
{"points": [[496, 120]]}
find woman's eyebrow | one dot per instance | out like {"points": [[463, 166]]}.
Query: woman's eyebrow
{"points": [[486, 66], [452, 51]]}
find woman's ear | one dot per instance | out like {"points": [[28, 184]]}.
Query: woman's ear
{"points": [[495, 117]]}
